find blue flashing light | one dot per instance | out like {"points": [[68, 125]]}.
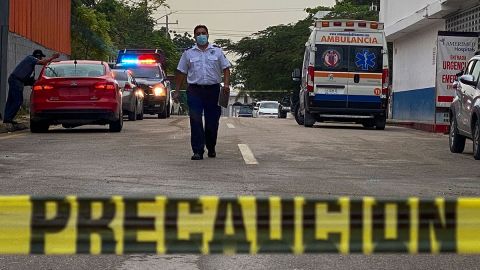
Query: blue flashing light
{"points": [[132, 61]]}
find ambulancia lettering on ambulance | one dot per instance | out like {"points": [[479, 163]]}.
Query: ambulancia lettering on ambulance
{"points": [[343, 39]]}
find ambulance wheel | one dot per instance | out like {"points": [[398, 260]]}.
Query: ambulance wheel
{"points": [[308, 120], [298, 116], [380, 122]]}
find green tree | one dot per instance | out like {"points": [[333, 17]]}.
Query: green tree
{"points": [[90, 37], [266, 60], [183, 42], [354, 10]]}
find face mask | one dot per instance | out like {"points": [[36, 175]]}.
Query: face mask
{"points": [[202, 40]]}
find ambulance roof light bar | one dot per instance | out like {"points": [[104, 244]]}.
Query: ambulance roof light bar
{"points": [[350, 23]]}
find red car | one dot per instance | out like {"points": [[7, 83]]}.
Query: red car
{"points": [[75, 93]]}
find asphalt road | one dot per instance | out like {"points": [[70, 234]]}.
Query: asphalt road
{"points": [[153, 157]]}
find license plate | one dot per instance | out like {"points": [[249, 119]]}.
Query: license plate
{"points": [[75, 92], [331, 91]]}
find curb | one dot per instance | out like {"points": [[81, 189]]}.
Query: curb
{"points": [[23, 124], [423, 126]]}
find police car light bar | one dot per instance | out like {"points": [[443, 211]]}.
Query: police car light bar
{"points": [[140, 60]]}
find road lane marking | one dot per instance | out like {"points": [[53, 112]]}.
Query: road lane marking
{"points": [[247, 155], [230, 125], [12, 136]]}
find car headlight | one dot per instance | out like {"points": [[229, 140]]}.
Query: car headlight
{"points": [[160, 91]]}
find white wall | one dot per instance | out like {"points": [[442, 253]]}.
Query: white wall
{"points": [[392, 11], [414, 59]]}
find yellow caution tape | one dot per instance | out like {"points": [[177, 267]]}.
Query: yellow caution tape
{"points": [[207, 225]]}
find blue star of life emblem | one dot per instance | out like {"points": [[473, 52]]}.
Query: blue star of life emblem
{"points": [[365, 60]]}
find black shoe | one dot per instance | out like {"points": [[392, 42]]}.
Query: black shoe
{"points": [[197, 156], [10, 122], [212, 154]]}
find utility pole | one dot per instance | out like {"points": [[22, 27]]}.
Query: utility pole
{"points": [[167, 23], [4, 14]]}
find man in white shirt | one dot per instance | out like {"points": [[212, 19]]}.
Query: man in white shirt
{"points": [[203, 65]]}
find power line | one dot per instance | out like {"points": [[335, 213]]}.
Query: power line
{"points": [[239, 12], [214, 31], [241, 9]]}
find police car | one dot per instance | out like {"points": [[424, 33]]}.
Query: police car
{"points": [[147, 66], [345, 74]]}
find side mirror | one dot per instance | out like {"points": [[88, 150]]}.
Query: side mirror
{"points": [[296, 75], [468, 80]]}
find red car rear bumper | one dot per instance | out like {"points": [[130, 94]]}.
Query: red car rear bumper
{"points": [[87, 112]]}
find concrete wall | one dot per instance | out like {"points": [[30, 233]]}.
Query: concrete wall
{"points": [[414, 64], [392, 11], [18, 48]]}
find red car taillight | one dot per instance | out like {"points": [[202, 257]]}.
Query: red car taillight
{"points": [[104, 86], [42, 87], [310, 79], [128, 87]]}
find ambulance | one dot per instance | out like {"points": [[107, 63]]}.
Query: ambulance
{"points": [[345, 76]]}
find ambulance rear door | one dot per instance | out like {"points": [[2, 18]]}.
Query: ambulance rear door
{"points": [[366, 57], [331, 80]]}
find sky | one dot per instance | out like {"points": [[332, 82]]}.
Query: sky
{"points": [[236, 19]]}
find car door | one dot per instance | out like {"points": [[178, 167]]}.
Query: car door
{"points": [[460, 112], [365, 77], [469, 94], [331, 75]]}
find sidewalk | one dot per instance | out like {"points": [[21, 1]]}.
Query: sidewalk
{"points": [[424, 126], [23, 123]]}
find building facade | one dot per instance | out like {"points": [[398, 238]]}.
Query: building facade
{"points": [[28, 25], [413, 26]]}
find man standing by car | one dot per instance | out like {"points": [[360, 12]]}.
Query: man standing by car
{"points": [[203, 65], [20, 77]]}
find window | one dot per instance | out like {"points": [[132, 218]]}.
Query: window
{"points": [[344, 58], [464, 21], [366, 59], [120, 75], [476, 71], [470, 67], [332, 58], [72, 70], [269, 105], [147, 72]]}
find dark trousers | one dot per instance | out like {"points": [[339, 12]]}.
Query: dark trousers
{"points": [[203, 100], [14, 100]]}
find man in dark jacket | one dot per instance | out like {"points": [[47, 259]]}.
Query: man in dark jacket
{"points": [[21, 76]]}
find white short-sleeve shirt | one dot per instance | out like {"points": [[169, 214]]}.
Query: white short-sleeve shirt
{"points": [[203, 67]]}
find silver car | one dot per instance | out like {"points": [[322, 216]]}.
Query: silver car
{"points": [[132, 95]]}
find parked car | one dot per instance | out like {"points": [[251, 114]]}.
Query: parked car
{"points": [[284, 107], [148, 68], [465, 110], [268, 109], [74, 93], [132, 95], [245, 111]]}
